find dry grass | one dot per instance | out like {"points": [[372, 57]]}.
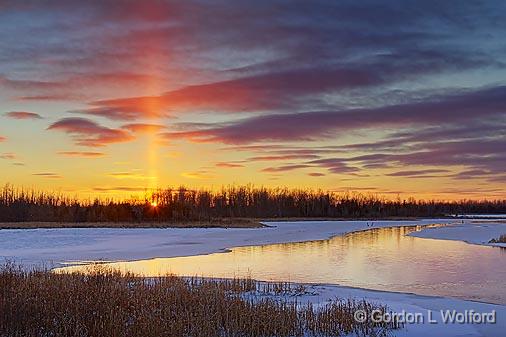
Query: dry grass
{"points": [[214, 223], [501, 239], [106, 303]]}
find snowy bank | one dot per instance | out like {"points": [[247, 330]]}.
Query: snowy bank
{"points": [[54, 246], [475, 232], [401, 303]]}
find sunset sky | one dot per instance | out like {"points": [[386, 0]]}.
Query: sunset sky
{"points": [[111, 97]]}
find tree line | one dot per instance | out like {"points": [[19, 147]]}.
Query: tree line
{"points": [[183, 204]]}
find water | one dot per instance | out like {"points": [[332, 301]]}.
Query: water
{"points": [[380, 259]]}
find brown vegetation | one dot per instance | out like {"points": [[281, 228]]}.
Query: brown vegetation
{"points": [[106, 303], [213, 223], [501, 239], [184, 205]]}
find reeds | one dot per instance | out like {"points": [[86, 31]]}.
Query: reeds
{"points": [[107, 303], [206, 206], [501, 239]]}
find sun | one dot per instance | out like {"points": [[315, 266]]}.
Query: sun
{"points": [[154, 204]]}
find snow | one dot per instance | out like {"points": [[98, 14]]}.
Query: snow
{"points": [[475, 232], [52, 247], [409, 303]]}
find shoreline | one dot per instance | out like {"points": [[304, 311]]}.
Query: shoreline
{"points": [[215, 223], [115, 244], [199, 241]]}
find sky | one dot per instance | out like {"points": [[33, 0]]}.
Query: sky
{"points": [[110, 98]]}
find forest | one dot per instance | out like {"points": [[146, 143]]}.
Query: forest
{"points": [[184, 204]]}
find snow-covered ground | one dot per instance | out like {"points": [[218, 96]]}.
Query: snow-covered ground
{"points": [[407, 304], [475, 231], [54, 246]]}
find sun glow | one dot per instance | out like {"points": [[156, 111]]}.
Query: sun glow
{"points": [[154, 204]]}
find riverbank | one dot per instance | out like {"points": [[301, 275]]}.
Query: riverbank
{"points": [[107, 303], [471, 231], [429, 310], [213, 223], [53, 246], [265, 305]]}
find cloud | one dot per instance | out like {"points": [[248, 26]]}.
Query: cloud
{"points": [[23, 115], [228, 165], [3, 139], [416, 173], [275, 90], [478, 155], [88, 133], [143, 127], [30, 85], [335, 165], [8, 156], [82, 154], [49, 175], [129, 175], [120, 189], [55, 97], [400, 80], [201, 175], [450, 109], [285, 168], [283, 157], [316, 174], [256, 93]]}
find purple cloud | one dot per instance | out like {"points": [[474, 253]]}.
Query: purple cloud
{"points": [[88, 133], [450, 109]]}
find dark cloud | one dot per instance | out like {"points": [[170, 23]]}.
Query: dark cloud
{"points": [[284, 157], [285, 168], [120, 188], [416, 173], [49, 175], [450, 109], [88, 133]]}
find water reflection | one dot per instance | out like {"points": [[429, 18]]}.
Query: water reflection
{"points": [[381, 259]]}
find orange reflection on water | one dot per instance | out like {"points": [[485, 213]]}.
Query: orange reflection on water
{"points": [[381, 259]]}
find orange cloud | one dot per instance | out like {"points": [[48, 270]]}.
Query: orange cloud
{"points": [[81, 154], [226, 97], [129, 175], [143, 128], [23, 115], [228, 165], [197, 175], [8, 156]]}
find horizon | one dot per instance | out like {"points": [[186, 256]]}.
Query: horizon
{"points": [[150, 193], [106, 101]]}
